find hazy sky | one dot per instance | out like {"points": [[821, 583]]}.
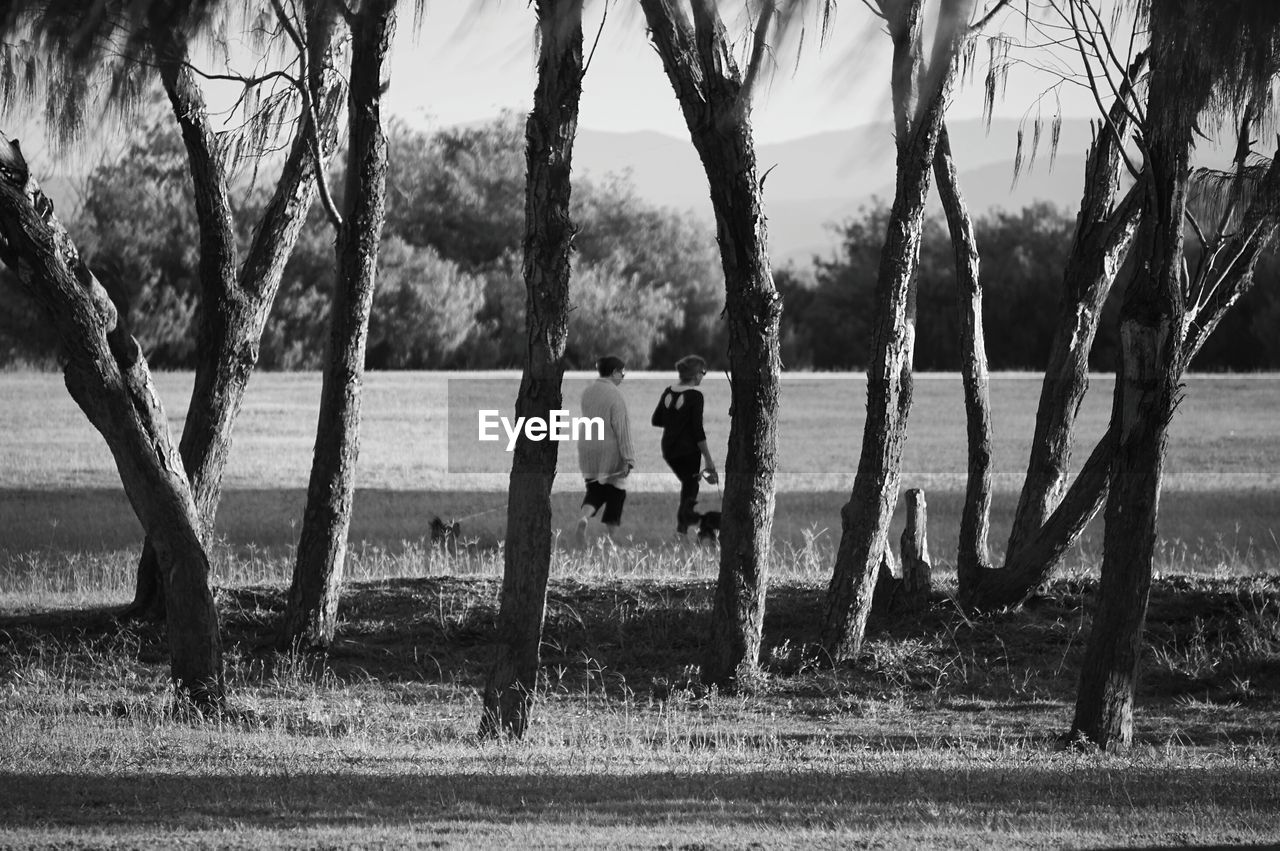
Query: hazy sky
{"points": [[461, 67], [466, 66]]}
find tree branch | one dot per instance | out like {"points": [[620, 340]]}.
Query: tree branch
{"points": [[312, 118], [1093, 88], [603, 17], [986, 19], [759, 45]]}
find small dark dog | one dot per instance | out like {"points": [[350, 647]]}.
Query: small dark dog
{"points": [[709, 528], [445, 536]]}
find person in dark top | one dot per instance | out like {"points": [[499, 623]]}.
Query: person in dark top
{"points": [[684, 443]]}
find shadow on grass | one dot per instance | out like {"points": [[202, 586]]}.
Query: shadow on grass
{"points": [[645, 639], [784, 799], [1229, 526]]}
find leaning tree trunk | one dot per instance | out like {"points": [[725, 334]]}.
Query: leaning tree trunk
{"points": [[1027, 569], [108, 377], [1041, 534], [1033, 563], [716, 106], [865, 519], [1151, 330], [975, 518], [548, 240], [312, 610], [1102, 237], [234, 307]]}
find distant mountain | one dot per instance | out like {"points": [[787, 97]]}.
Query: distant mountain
{"points": [[822, 179]]}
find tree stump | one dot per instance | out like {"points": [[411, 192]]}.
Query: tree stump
{"points": [[916, 568]]}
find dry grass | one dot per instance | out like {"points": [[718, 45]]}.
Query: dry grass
{"points": [[943, 734]]}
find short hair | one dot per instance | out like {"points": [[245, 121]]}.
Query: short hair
{"points": [[690, 367], [609, 364]]}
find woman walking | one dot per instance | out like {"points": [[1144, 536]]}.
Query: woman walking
{"points": [[684, 443]]}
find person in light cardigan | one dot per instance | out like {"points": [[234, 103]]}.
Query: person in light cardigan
{"points": [[605, 464]]}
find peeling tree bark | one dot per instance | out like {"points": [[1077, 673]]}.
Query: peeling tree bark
{"points": [[108, 377], [715, 100], [549, 133], [234, 306], [311, 615], [1151, 331]]}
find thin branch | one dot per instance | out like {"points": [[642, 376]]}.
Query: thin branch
{"points": [[603, 17], [986, 19], [312, 117], [1243, 144], [1195, 226], [247, 82], [759, 47], [1093, 88], [1245, 243], [1134, 108], [289, 29]]}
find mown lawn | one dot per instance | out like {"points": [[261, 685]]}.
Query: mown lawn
{"points": [[1223, 437], [60, 493]]}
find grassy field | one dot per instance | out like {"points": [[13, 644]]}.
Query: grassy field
{"points": [[1223, 438], [945, 732], [59, 491]]}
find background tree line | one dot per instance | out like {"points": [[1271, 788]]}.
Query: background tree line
{"points": [[1023, 254], [450, 292], [647, 279]]}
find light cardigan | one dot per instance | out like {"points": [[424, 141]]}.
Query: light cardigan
{"points": [[606, 461]]}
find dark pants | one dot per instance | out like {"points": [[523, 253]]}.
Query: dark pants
{"points": [[687, 469], [609, 496]]}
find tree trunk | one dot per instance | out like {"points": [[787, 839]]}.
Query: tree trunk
{"points": [[1101, 240], [1042, 534], [108, 377], [312, 610], [549, 134], [716, 104], [975, 519], [865, 518], [1146, 393], [234, 308], [1151, 328], [1033, 563]]}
